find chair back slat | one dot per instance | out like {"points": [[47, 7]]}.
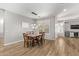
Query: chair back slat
{"points": [[25, 36]]}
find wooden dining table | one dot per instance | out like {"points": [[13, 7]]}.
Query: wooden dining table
{"points": [[33, 37]]}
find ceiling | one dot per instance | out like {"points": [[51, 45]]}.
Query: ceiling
{"points": [[43, 9]]}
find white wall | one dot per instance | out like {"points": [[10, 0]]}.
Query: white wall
{"points": [[29, 22], [13, 27], [52, 27], [50, 21], [69, 23], [1, 22]]}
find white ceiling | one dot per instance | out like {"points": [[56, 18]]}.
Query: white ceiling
{"points": [[43, 9], [72, 12]]}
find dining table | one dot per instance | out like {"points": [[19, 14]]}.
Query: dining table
{"points": [[33, 37]]}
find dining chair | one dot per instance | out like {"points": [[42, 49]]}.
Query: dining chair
{"points": [[27, 40], [35, 41], [39, 40], [43, 36]]}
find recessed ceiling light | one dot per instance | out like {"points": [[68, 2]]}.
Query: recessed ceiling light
{"points": [[65, 9]]}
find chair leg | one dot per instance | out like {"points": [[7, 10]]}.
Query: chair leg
{"points": [[30, 44], [27, 44], [41, 42], [24, 43], [33, 43]]}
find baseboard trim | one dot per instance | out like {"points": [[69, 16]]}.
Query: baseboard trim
{"points": [[12, 42]]}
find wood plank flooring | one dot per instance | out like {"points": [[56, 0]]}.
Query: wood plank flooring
{"points": [[1, 41], [58, 47]]}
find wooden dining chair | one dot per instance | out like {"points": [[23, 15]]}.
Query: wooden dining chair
{"points": [[43, 36], [39, 40], [34, 41], [27, 40]]}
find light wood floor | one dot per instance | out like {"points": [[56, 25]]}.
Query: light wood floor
{"points": [[59, 47], [1, 41]]}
